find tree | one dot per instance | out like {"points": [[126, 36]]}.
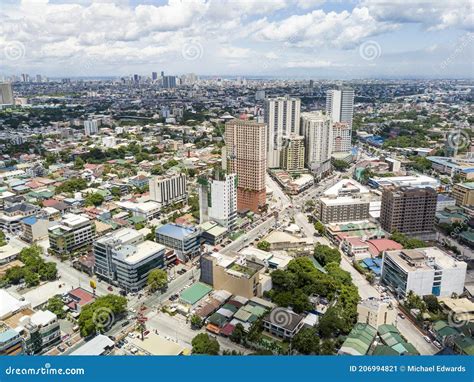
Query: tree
{"points": [[14, 275], [203, 344], [157, 280], [31, 279], [306, 341], [263, 245], [331, 323], [48, 271], [56, 305], [78, 163], [3, 240], [94, 199], [238, 335], [196, 322], [340, 165], [432, 303], [318, 226], [157, 170], [325, 254], [328, 347]]}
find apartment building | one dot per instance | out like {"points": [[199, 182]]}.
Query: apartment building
{"points": [[72, 234], [218, 199], [282, 118], [11, 216], [408, 210], [346, 201], [292, 153], [424, 271], [91, 127], [376, 313], [34, 229], [125, 258], [246, 157], [464, 194], [167, 190], [317, 131]]}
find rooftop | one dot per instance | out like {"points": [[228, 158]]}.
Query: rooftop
{"points": [[176, 231]]}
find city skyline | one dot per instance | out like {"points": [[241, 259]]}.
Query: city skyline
{"points": [[292, 38]]}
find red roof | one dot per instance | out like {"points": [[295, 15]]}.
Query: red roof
{"points": [[82, 295], [227, 329], [379, 245]]}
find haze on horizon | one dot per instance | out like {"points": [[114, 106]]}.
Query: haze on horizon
{"points": [[280, 38]]}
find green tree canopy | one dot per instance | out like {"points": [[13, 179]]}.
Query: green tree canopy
{"points": [[203, 344], [157, 280]]}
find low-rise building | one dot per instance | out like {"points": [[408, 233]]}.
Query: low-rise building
{"points": [[376, 313], [463, 193], [72, 234], [184, 240], [283, 323], [424, 271], [34, 229]]}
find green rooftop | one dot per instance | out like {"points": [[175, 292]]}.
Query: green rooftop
{"points": [[195, 293]]}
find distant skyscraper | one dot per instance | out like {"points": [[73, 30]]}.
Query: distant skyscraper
{"points": [[6, 94], [317, 131], [91, 127], [282, 116], [154, 76], [340, 107], [246, 157], [169, 82]]}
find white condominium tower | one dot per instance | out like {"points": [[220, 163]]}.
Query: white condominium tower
{"points": [[282, 116], [317, 131], [218, 199], [6, 94], [168, 189], [91, 127], [340, 107]]}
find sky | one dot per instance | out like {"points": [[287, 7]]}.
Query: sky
{"points": [[282, 38]]}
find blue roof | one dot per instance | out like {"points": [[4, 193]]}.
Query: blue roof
{"points": [[175, 231], [30, 220], [7, 335]]}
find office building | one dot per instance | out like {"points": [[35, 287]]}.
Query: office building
{"points": [[11, 342], [408, 210], [166, 190], [282, 117], [218, 199], [246, 157], [169, 82], [340, 105], [6, 94], [292, 153], [235, 274], [340, 108], [40, 331], [125, 258], [154, 76], [424, 271], [184, 240], [416, 180], [464, 194], [72, 234], [317, 131], [346, 201], [34, 229], [91, 127]]}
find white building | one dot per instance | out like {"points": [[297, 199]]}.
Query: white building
{"points": [[109, 142], [167, 190], [91, 127], [317, 132], [126, 258], [73, 233], [424, 271], [417, 180], [218, 201], [6, 94], [340, 108], [282, 116]]}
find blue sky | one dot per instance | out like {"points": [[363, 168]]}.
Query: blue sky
{"points": [[293, 38]]}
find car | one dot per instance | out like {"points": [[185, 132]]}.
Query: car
{"points": [[437, 344], [125, 323], [427, 339], [61, 348], [401, 315], [109, 288]]}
